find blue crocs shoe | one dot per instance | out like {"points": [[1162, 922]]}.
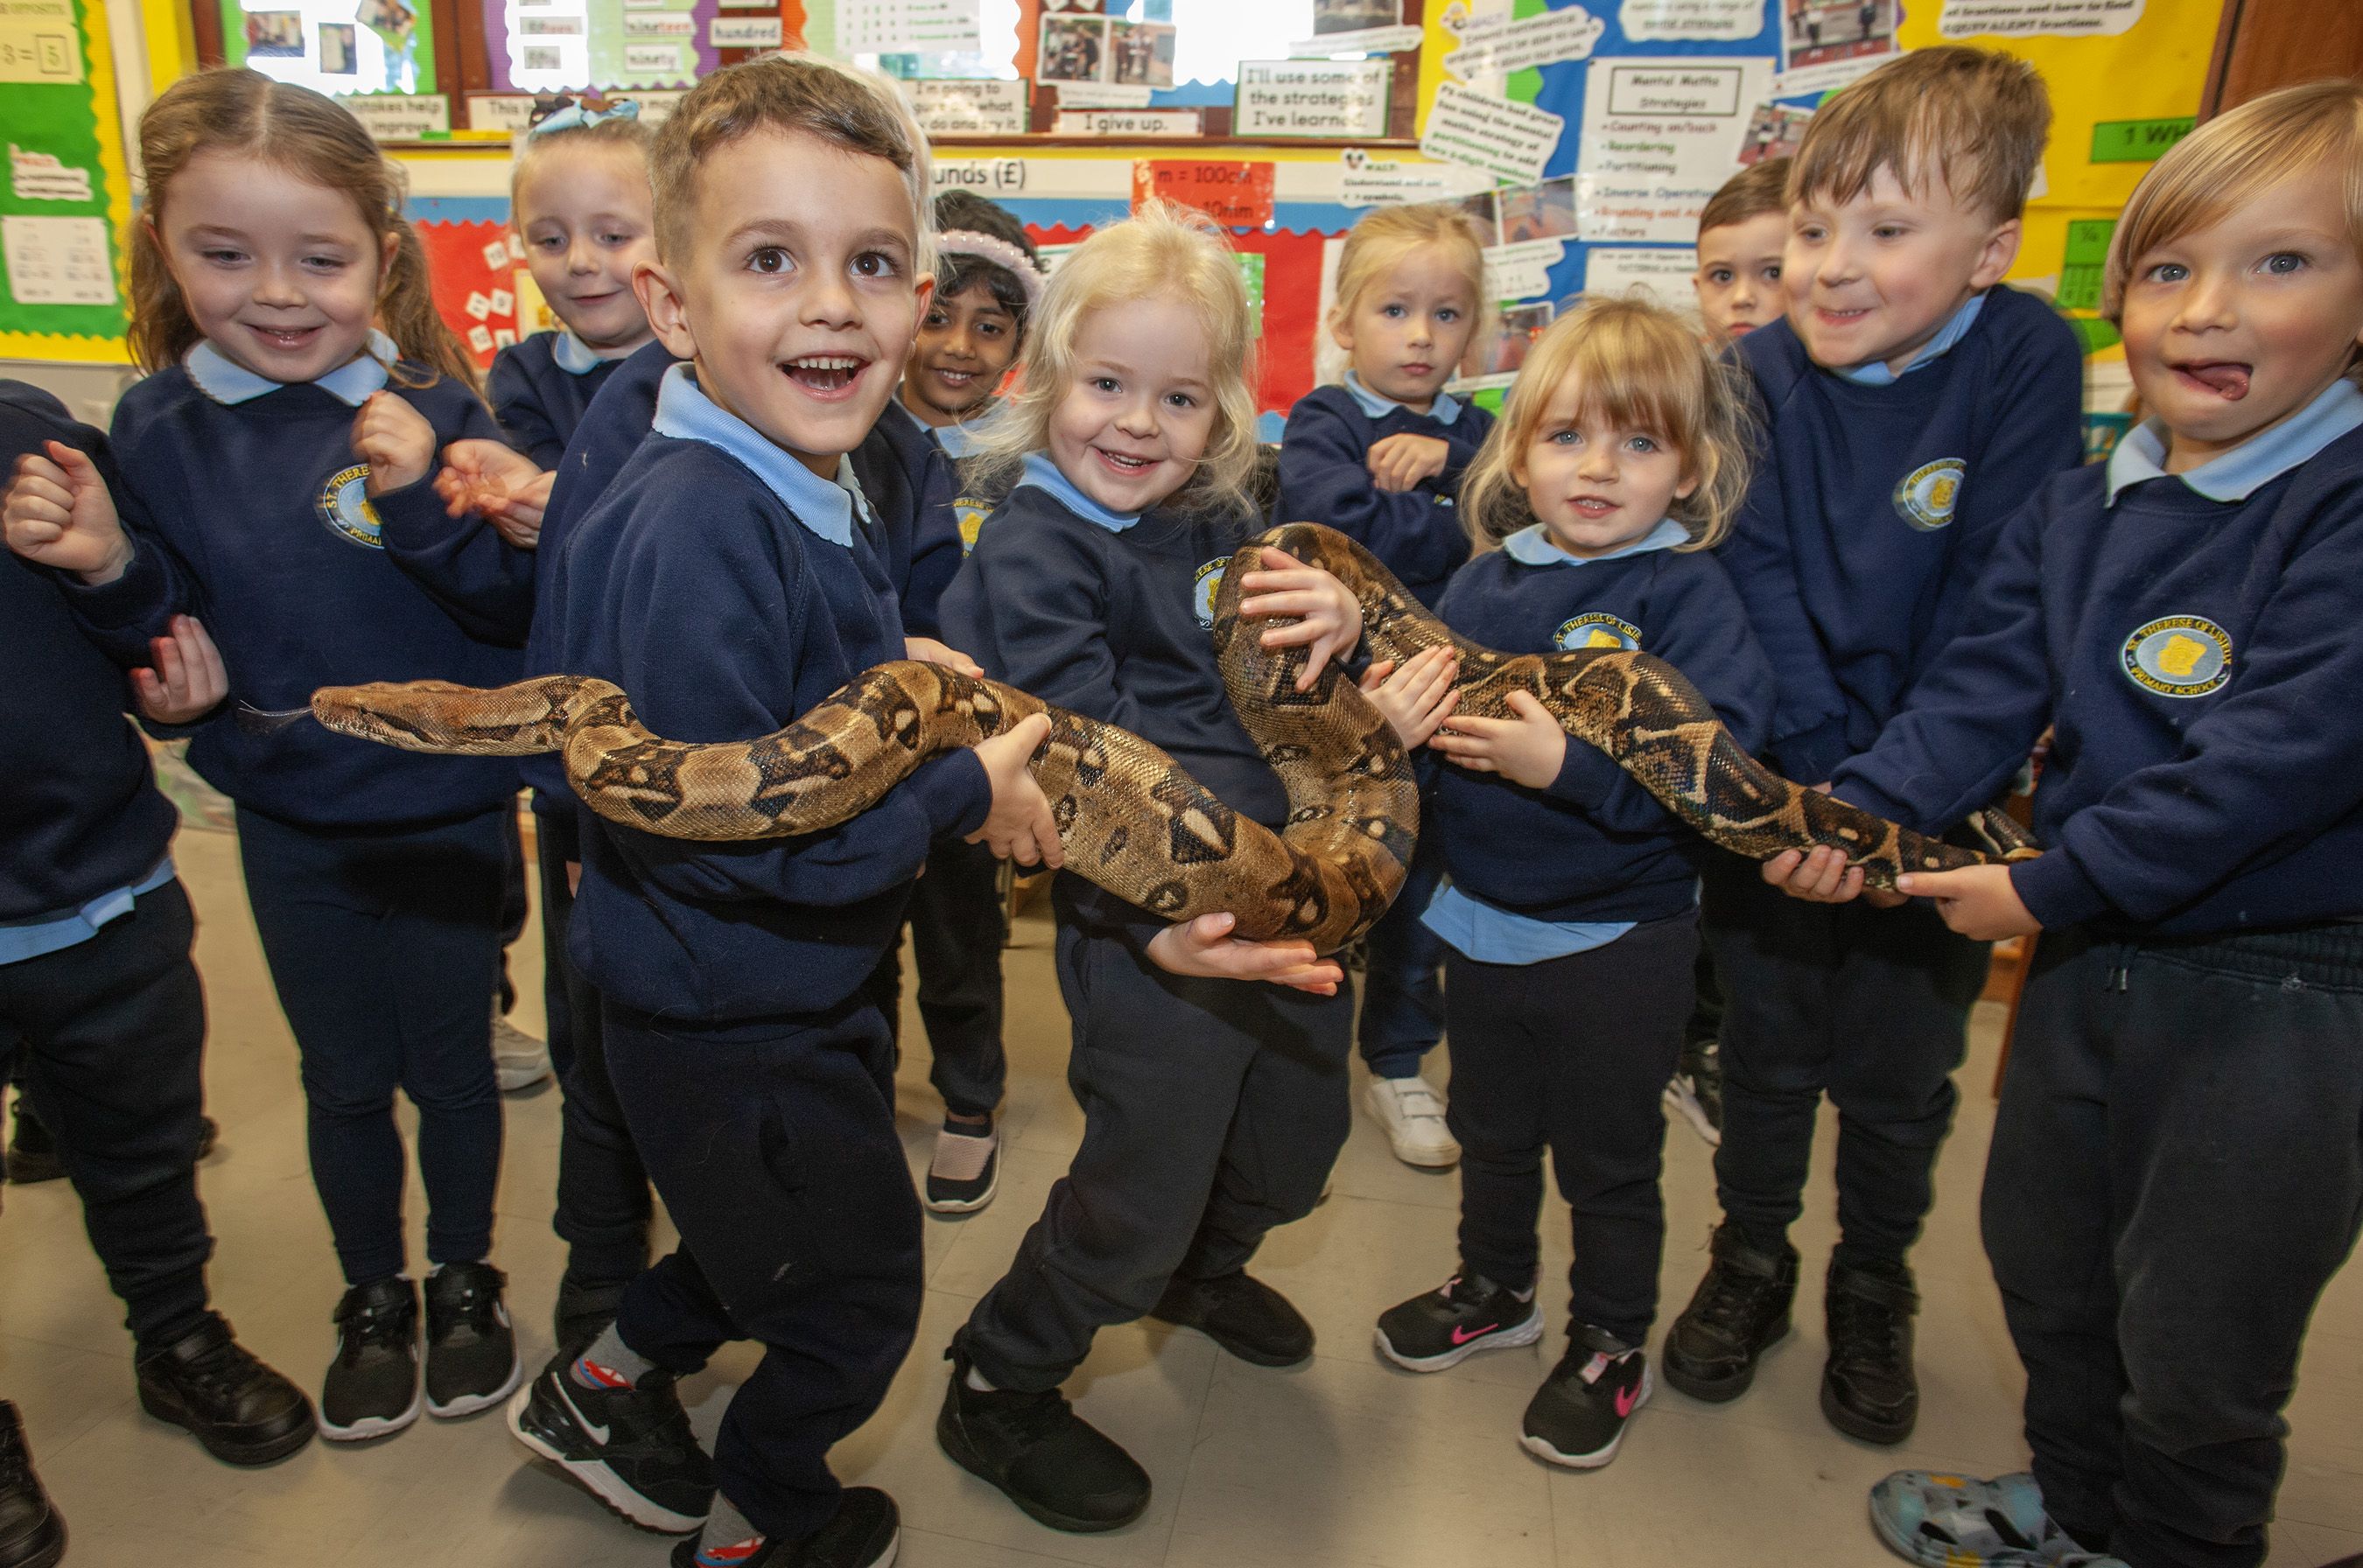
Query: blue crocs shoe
{"points": [[1951, 1521]]}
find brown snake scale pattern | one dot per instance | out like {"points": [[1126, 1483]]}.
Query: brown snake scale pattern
{"points": [[1129, 817]]}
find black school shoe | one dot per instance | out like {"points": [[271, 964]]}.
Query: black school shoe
{"points": [[630, 1447], [1245, 1316], [1576, 1418], [1444, 1328], [31, 1534], [1868, 1390], [1739, 1310], [866, 1533], [372, 1389], [1058, 1468], [241, 1410], [471, 1354]]}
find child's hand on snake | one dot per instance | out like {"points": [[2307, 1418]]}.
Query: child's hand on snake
{"points": [[1331, 617], [1529, 749], [1417, 698], [935, 652], [1979, 902], [1824, 877], [59, 514], [1205, 948], [1019, 826]]}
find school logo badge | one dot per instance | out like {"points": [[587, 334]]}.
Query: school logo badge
{"points": [[2179, 655], [344, 506], [1928, 493], [1595, 631], [969, 514], [1209, 584]]}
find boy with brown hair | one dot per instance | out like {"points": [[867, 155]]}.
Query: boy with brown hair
{"points": [[1909, 403], [755, 1071], [1743, 229]]}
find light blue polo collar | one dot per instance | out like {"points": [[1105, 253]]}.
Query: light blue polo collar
{"points": [[573, 355], [1531, 546], [686, 414], [1875, 373], [1447, 408], [2247, 468], [1043, 474], [959, 439], [225, 381]]}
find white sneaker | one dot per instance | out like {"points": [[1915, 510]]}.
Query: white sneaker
{"points": [[1413, 1115], [519, 1061]]}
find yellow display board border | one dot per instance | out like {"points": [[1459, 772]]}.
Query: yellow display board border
{"points": [[81, 348]]}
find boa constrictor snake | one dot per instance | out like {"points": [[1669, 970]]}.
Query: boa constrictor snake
{"points": [[1129, 817]]}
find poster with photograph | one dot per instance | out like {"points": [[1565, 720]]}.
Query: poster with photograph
{"points": [[274, 35], [1825, 44], [1514, 331], [338, 55], [1074, 48], [1479, 209], [1354, 16], [1773, 130], [1141, 53], [1544, 211]]}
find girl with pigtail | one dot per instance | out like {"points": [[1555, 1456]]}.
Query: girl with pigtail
{"points": [[305, 414]]}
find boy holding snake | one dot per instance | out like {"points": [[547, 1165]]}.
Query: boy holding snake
{"points": [[1910, 402]]}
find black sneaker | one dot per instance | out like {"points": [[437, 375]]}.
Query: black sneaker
{"points": [[31, 1534], [1246, 1317], [966, 1168], [1868, 1390], [1696, 1091], [32, 1153], [1576, 1418], [372, 1387], [582, 1311], [1444, 1328], [1058, 1467], [1739, 1310], [471, 1354], [630, 1446], [243, 1411], [866, 1533]]}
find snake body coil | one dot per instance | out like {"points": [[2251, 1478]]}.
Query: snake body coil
{"points": [[1129, 818]]}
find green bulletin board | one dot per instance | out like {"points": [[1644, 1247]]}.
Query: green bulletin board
{"points": [[67, 195]]}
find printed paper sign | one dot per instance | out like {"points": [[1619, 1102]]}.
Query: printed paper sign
{"points": [[984, 108], [914, 26], [504, 302], [1104, 94], [1522, 271], [1663, 272], [1724, 21], [1657, 140], [1365, 40], [1366, 181], [1136, 125], [480, 339], [478, 305], [1313, 97], [402, 116], [37, 43], [1825, 44], [2137, 141], [510, 112], [38, 177], [663, 25], [503, 339], [1511, 140], [1496, 45], [741, 32], [652, 59], [496, 254], [2024, 19], [1236, 196], [59, 261]]}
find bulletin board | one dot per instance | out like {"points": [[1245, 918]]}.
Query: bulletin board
{"points": [[68, 200]]}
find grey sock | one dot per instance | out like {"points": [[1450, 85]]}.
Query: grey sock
{"points": [[610, 1355], [726, 1526]]}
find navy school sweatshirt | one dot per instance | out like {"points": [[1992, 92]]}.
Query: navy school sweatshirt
{"points": [[262, 529], [1595, 846], [611, 430], [1873, 508], [1325, 476], [1114, 622], [911, 484], [539, 402], [79, 808], [726, 613], [2198, 658]]}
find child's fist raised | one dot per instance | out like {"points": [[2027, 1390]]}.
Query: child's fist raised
{"points": [[59, 513], [394, 440]]}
